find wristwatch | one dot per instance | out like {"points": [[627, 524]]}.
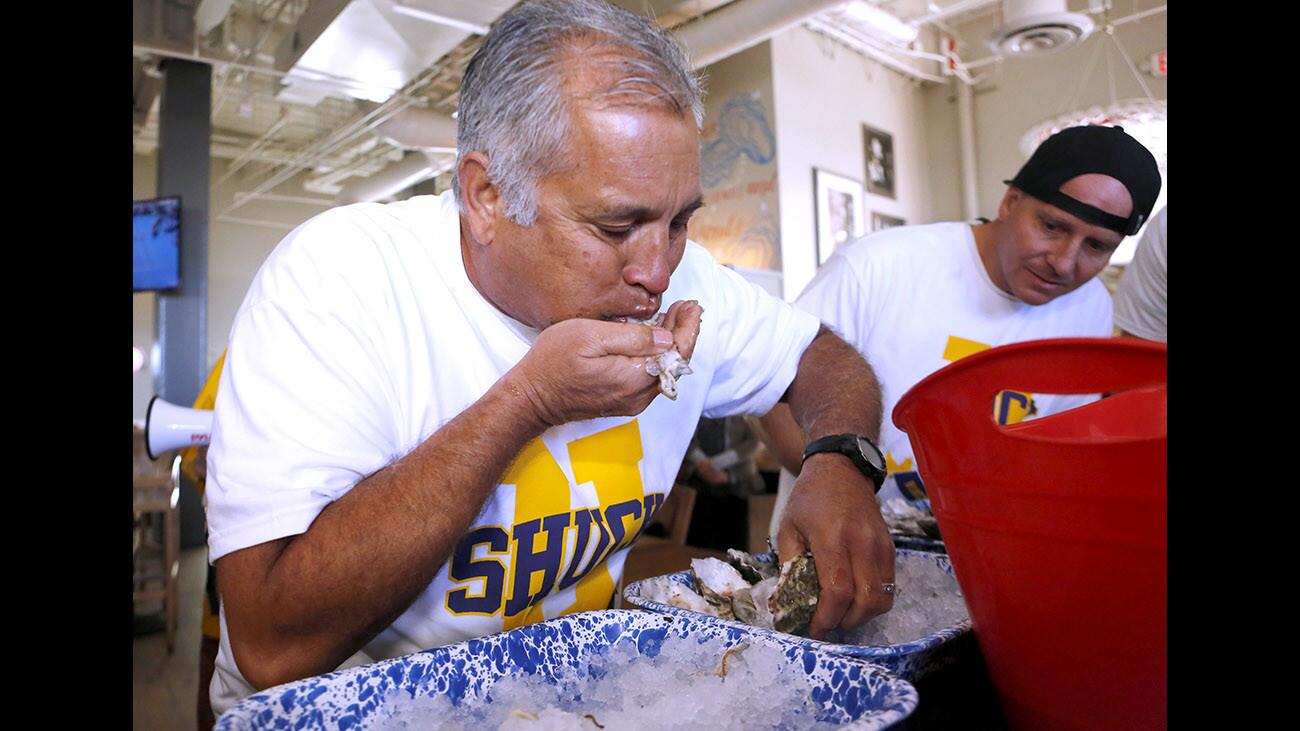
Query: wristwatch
{"points": [[856, 447]]}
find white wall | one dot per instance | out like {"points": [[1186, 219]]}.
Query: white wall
{"points": [[824, 93], [943, 193], [235, 252]]}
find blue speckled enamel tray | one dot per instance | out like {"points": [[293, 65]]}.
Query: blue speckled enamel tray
{"points": [[850, 691], [909, 660]]}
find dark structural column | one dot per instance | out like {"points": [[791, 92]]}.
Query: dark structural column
{"points": [[184, 138]]}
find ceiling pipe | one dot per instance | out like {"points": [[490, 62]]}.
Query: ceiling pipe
{"points": [[957, 8], [966, 136], [867, 47], [420, 128], [743, 24], [210, 13], [447, 20], [414, 167]]}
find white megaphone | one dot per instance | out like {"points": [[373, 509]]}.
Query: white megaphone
{"points": [[168, 426]]}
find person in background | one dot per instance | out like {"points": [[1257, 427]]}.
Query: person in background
{"points": [[720, 467], [913, 299], [436, 419], [721, 457], [194, 465], [1140, 298]]}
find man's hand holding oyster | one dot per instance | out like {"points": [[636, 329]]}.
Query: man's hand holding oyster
{"points": [[582, 369]]}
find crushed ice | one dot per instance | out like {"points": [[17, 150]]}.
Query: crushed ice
{"points": [[693, 683]]}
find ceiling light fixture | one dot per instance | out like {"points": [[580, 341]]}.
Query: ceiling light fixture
{"points": [[1034, 27]]}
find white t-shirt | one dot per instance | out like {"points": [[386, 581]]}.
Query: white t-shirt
{"points": [[1140, 299], [913, 299], [361, 336]]}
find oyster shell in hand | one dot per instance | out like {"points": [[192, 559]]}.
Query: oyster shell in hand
{"points": [[668, 365]]}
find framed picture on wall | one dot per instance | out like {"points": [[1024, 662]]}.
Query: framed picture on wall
{"points": [[839, 212], [879, 148], [880, 221]]}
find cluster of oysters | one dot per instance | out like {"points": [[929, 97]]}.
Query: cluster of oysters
{"points": [[905, 520], [750, 589]]}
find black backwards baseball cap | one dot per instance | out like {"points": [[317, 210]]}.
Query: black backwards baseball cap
{"points": [[1076, 151]]}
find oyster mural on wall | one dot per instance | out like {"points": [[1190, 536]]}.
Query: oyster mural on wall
{"points": [[739, 224]]}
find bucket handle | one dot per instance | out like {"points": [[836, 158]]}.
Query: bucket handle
{"points": [[966, 388]]}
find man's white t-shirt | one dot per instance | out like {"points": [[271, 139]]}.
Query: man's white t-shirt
{"points": [[913, 299], [362, 335], [1141, 301]]}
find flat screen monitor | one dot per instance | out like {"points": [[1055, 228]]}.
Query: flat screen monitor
{"points": [[156, 232]]}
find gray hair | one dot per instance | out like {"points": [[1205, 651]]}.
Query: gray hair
{"points": [[512, 105]]}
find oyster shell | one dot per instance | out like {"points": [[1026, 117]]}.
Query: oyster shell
{"points": [[667, 591], [762, 593], [718, 582], [905, 520], [669, 365], [795, 598], [752, 568], [785, 599], [744, 606]]}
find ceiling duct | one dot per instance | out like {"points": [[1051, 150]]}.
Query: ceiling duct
{"points": [[210, 13], [372, 44], [1034, 27], [725, 32], [742, 24], [419, 128], [414, 168]]}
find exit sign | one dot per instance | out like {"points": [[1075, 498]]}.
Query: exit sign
{"points": [[1160, 64]]}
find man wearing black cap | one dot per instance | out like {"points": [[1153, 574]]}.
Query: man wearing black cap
{"points": [[913, 299]]}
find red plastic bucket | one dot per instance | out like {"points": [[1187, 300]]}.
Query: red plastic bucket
{"points": [[1056, 527]]}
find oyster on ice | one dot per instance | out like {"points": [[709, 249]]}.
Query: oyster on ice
{"points": [[669, 592], [751, 589], [719, 583], [795, 599], [753, 568]]}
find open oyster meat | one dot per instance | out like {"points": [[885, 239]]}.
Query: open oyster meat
{"points": [[669, 365]]}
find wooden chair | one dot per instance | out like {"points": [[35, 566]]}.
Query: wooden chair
{"points": [[156, 561], [677, 513]]}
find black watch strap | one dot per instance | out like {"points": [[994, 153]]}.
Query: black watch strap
{"points": [[862, 451]]}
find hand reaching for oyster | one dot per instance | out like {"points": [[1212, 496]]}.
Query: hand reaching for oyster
{"points": [[832, 513]]}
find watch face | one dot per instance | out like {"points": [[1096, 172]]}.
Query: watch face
{"points": [[870, 453]]}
